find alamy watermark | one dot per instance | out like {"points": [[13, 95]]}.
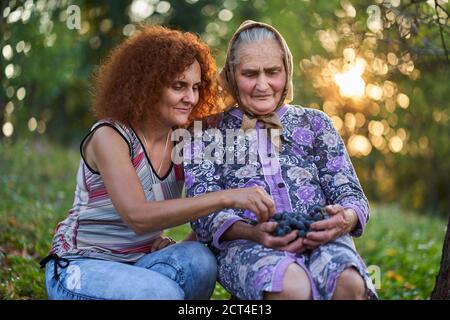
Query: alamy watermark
{"points": [[374, 272], [73, 17], [233, 146]]}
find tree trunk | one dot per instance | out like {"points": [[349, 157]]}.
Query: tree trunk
{"points": [[442, 288]]}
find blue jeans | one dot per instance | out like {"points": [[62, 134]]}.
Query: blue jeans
{"points": [[185, 270]]}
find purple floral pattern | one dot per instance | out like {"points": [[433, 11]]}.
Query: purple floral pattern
{"points": [[303, 136], [305, 193], [317, 124], [188, 180], [335, 164], [314, 169]]}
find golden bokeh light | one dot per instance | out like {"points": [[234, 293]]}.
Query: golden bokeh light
{"points": [[349, 54], [379, 67], [374, 92], [141, 10], [350, 121], [9, 71], [41, 127], [402, 134], [386, 127], [225, 15], [8, 129], [395, 3], [403, 100], [129, 30], [20, 46], [389, 89], [407, 67], [392, 119], [9, 108], [392, 58], [350, 82], [374, 109], [330, 107], [7, 52], [328, 39], [376, 128], [337, 122], [32, 124], [106, 25], [390, 105], [423, 142], [378, 142], [359, 146], [163, 7], [21, 93], [395, 144], [360, 119], [85, 27]]}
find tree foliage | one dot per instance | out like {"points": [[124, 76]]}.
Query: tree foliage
{"points": [[379, 68]]}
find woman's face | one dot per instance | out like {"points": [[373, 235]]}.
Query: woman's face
{"points": [[260, 76], [178, 100]]}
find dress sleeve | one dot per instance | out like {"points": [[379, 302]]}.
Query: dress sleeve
{"points": [[338, 178], [203, 176]]}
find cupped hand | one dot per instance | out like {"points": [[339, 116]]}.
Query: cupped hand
{"points": [[289, 242], [341, 222]]}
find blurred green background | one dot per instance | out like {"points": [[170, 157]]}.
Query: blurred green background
{"points": [[380, 69]]}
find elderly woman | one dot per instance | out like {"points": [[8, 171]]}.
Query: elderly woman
{"points": [[306, 166], [111, 244]]}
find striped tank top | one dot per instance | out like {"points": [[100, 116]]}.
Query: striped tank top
{"points": [[93, 228]]}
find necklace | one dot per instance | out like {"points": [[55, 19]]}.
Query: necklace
{"points": [[164, 152]]}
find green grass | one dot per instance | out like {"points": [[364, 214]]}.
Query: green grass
{"points": [[407, 249], [37, 183]]}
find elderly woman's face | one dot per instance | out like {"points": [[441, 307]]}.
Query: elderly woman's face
{"points": [[260, 76]]}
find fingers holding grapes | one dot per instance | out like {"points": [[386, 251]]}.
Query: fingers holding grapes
{"points": [[267, 237], [254, 199]]}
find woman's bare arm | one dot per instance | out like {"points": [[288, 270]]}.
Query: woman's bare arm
{"points": [[110, 155]]}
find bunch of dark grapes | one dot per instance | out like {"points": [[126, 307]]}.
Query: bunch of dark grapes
{"points": [[288, 221]]}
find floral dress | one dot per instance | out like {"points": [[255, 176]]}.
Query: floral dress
{"points": [[311, 168]]}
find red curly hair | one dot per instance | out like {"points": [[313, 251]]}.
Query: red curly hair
{"points": [[133, 76]]}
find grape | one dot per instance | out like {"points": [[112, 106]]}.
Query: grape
{"points": [[277, 217], [302, 233], [317, 217], [282, 224], [299, 225], [288, 221]]}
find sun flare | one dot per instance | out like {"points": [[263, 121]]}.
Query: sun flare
{"points": [[350, 82]]}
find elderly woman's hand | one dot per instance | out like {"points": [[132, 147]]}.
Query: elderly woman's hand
{"points": [[289, 242], [342, 221]]}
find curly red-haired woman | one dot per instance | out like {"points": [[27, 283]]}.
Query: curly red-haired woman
{"points": [[111, 245]]}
